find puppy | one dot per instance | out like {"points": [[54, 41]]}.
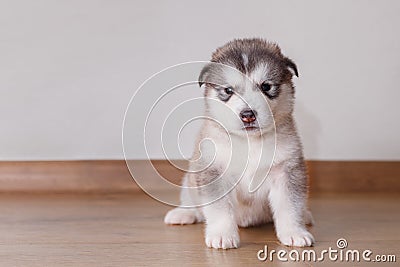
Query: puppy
{"points": [[248, 166]]}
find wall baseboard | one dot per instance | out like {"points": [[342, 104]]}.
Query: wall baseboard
{"points": [[112, 176]]}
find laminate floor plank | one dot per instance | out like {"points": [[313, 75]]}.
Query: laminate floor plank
{"points": [[128, 230]]}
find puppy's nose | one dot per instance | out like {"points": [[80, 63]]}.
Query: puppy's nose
{"points": [[248, 115]]}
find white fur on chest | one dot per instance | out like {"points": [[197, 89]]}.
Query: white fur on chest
{"points": [[250, 162], [238, 157]]}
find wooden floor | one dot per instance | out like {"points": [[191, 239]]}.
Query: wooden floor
{"points": [[128, 230]]}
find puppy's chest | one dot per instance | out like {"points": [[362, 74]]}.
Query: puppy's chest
{"points": [[248, 158]]}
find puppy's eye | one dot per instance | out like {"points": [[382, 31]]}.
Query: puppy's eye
{"points": [[225, 93], [270, 90], [229, 90], [265, 87]]}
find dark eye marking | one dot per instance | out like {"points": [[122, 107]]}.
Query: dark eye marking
{"points": [[265, 87], [270, 90], [224, 93]]}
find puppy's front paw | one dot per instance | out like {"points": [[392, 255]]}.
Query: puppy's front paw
{"points": [[222, 238], [180, 216], [297, 238]]}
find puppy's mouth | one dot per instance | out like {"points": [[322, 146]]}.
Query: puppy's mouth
{"points": [[250, 127]]}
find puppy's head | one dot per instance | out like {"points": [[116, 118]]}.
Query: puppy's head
{"points": [[248, 85]]}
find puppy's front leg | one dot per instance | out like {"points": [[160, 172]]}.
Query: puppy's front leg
{"points": [[288, 198], [221, 228]]}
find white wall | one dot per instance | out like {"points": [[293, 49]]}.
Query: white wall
{"points": [[69, 68]]}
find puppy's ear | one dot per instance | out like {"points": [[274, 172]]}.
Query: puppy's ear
{"points": [[202, 77], [292, 66]]}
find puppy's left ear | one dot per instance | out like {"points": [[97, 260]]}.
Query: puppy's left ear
{"points": [[292, 66], [202, 77]]}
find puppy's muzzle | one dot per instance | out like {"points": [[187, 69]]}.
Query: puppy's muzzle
{"points": [[248, 115]]}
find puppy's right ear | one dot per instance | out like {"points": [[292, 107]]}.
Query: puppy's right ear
{"points": [[292, 66], [203, 74]]}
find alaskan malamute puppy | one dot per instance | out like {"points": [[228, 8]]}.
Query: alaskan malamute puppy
{"points": [[248, 166]]}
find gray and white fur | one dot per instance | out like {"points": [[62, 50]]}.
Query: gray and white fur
{"points": [[251, 135]]}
